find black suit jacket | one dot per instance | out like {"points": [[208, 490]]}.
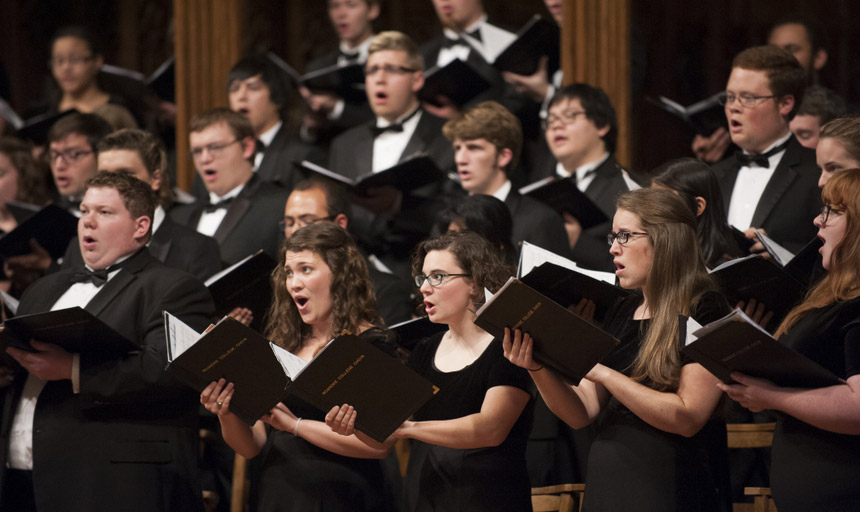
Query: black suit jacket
{"points": [[352, 156], [251, 222], [354, 112], [127, 441], [536, 223], [790, 201]]}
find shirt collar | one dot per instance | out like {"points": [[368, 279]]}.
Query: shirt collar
{"points": [[269, 135], [215, 198], [502, 192], [453, 34], [361, 48]]}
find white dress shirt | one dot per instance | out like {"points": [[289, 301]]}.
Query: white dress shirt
{"points": [[210, 221], [750, 185], [388, 146]]}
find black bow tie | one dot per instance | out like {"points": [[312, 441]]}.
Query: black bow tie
{"points": [[259, 146], [350, 57], [214, 207], [69, 204], [97, 277], [762, 160], [475, 34], [393, 127]]}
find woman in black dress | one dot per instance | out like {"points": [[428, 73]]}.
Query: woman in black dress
{"points": [[468, 442], [321, 287], [658, 446], [816, 445]]}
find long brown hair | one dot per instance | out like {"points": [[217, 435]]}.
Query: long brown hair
{"points": [[352, 297], [842, 281], [676, 281]]}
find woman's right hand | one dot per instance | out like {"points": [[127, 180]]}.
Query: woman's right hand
{"points": [[216, 397], [519, 350], [341, 420]]}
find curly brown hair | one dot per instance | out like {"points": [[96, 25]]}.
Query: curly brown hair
{"points": [[353, 299], [474, 254]]}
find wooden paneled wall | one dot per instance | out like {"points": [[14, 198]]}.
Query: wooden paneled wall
{"points": [[596, 50], [207, 43]]}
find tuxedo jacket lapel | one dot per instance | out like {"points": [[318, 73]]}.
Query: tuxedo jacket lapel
{"points": [[781, 180], [418, 142], [159, 247], [117, 284], [237, 209]]}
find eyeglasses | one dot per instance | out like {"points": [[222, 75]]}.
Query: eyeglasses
{"points": [[827, 210], [567, 117], [72, 60], [622, 237], [435, 278], [302, 220], [215, 149], [746, 100], [389, 70], [70, 155]]}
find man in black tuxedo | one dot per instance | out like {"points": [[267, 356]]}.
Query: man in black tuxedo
{"points": [[94, 431], [242, 210], [330, 112], [487, 140], [581, 131], [771, 184], [390, 223], [143, 156]]}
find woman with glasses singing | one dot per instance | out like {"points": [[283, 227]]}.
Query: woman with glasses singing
{"points": [[468, 442], [321, 288], [658, 445], [816, 445]]}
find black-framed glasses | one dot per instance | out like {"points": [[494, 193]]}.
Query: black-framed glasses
{"points": [[389, 70], [746, 100], [622, 237], [435, 278], [215, 149], [827, 210], [567, 117], [70, 155], [302, 220]]}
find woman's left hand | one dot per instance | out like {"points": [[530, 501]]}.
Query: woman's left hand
{"points": [[750, 392], [341, 419], [281, 418]]}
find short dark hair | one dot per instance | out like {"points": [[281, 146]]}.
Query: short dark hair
{"points": [[259, 64], [485, 215], [84, 34], [336, 196], [91, 126], [598, 108], [784, 74], [137, 196], [489, 120], [821, 102], [238, 124], [814, 29]]}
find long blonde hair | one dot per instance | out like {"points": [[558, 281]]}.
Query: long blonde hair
{"points": [[675, 283], [842, 281]]}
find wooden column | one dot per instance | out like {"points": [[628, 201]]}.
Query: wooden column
{"points": [[596, 50], [207, 40]]}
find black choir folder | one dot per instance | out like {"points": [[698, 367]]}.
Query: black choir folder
{"points": [[405, 176], [348, 370], [52, 227], [704, 116], [74, 329], [538, 38], [735, 343], [245, 284], [778, 286], [563, 341], [457, 81], [563, 195]]}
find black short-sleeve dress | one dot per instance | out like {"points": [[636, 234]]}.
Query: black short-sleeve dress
{"points": [[634, 466], [474, 480], [291, 474], [813, 469]]}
